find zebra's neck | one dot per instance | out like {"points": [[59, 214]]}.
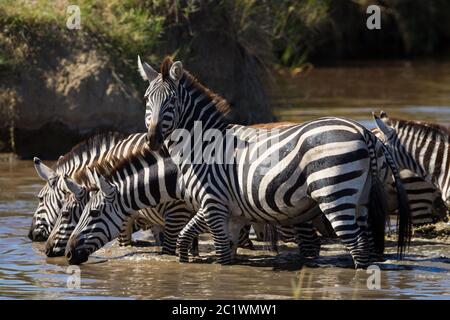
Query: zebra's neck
{"points": [[200, 104], [141, 185], [86, 152], [430, 154]]}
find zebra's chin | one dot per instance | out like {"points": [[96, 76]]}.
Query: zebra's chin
{"points": [[53, 252], [38, 234]]}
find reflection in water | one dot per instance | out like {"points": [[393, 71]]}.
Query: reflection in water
{"points": [[407, 90]]}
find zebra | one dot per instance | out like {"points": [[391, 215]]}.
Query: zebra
{"points": [[53, 193], [326, 165], [147, 218], [142, 179], [425, 201], [52, 197], [420, 147]]}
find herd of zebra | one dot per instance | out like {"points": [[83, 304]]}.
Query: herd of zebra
{"points": [[331, 174]]}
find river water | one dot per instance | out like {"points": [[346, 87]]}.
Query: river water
{"points": [[410, 90]]}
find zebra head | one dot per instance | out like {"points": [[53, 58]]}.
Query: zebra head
{"points": [[67, 219], [390, 136], [415, 146], [51, 197], [100, 222], [162, 100]]}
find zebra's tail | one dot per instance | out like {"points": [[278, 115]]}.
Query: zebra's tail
{"points": [[404, 222], [378, 208]]}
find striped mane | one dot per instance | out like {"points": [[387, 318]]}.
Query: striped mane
{"points": [[109, 168], [424, 129], [87, 149], [221, 103]]}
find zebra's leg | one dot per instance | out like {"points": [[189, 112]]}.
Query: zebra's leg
{"points": [[307, 239], [158, 234], [216, 218], [235, 229], [192, 229], [342, 209], [343, 221], [125, 236], [174, 222], [259, 229], [194, 248], [244, 238]]}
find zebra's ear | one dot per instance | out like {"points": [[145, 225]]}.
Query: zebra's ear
{"points": [[384, 117], [43, 171], [146, 71], [387, 131], [176, 71], [73, 187], [106, 187]]}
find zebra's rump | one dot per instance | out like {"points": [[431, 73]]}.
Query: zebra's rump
{"points": [[274, 174]]}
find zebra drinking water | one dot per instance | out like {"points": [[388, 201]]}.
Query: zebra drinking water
{"points": [[55, 194], [141, 179], [147, 218], [328, 163], [52, 195]]}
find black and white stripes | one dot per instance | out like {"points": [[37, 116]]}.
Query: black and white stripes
{"points": [[326, 163]]}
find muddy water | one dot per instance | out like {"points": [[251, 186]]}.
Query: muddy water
{"points": [[413, 91], [140, 272]]}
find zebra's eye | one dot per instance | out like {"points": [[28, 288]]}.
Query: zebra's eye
{"points": [[95, 213], [40, 198], [172, 100], [65, 213]]}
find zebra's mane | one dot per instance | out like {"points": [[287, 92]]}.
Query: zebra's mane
{"points": [[423, 128], [89, 147], [273, 125], [221, 103], [109, 168]]}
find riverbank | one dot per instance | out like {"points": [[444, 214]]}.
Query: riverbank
{"points": [[59, 84]]}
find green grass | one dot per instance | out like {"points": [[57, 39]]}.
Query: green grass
{"points": [[288, 32]]}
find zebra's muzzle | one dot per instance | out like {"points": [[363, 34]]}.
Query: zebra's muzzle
{"points": [[51, 250], [38, 235], [77, 256], [74, 253], [155, 139]]}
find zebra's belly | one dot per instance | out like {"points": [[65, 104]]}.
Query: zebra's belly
{"points": [[282, 213]]}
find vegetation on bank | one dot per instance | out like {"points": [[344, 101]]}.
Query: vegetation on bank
{"points": [[288, 32], [229, 44]]}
